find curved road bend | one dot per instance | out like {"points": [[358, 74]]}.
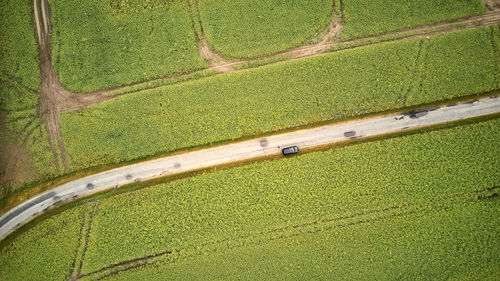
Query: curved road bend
{"points": [[242, 151]]}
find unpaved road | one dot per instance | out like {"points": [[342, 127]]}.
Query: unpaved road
{"points": [[239, 151]]}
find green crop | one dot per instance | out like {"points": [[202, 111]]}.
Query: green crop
{"points": [[456, 241], [19, 71], [364, 18], [24, 150], [250, 29], [95, 49], [279, 96], [437, 73], [46, 251], [425, 205]]}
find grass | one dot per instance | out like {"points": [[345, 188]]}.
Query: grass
{"points": [[366, 18], [424, 204], [19, 71], [104, 44], [250, 29], [250, 102]]}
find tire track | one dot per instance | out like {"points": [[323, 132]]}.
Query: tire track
{"points": [[215, 246], [88, 230], [334, 28], [206, 51], [80, 244], [416, 77], [54, 99]]}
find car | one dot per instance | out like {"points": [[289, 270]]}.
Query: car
{"points": [[290, 150]]}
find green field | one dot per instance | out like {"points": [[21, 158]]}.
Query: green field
{"points": [[271, 26], [423, 205], [245, 103], [365, 18], [19, 72], [105, 44]]}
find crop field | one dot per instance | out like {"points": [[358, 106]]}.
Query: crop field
{"points": [[113, 83], [19, 71], [327, 87], [364, 18], [104, 44], [271, 26], [424, 205]]}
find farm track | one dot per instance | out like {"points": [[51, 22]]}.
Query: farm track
{"points": [[288, 231]]}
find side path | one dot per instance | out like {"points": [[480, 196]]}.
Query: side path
{"points": [[245, 150]]}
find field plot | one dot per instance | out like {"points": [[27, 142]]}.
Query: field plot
{"points": [[230, 106], [423, 205], [250, 29], [105, 44], [364, 18], [19, 71]]}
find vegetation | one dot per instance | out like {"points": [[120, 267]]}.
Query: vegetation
{"points": [[270, 27], [45, 252], [24, 153], [364, 18], [327, 87], [442, 243], [19, 71], [438, 74], [102, 44], [27, 155], [424, 204]]}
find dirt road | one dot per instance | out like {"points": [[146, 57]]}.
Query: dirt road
{"points": [[245, 150]]}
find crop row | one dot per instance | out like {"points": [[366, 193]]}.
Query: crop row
{"points": [[423, 192], [283, 95]]}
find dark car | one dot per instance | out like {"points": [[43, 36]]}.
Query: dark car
{"points": [[290, 150]]}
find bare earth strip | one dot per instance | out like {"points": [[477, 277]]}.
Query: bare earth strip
{"points": [[241, 151]]}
